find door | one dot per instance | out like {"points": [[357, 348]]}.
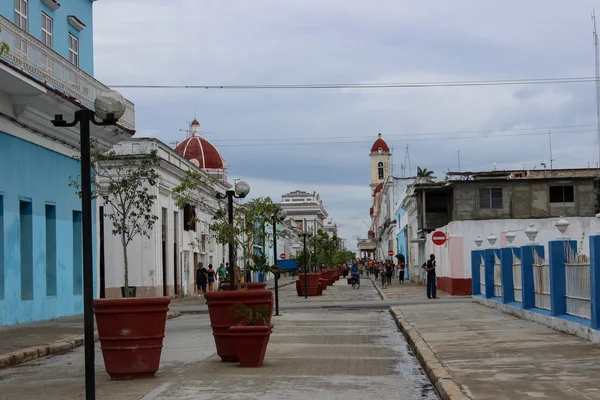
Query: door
{"points": [[164, 252], [102, 260], [176, 275]]}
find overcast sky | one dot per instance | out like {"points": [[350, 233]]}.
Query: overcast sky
{"points": [[319, 140]]}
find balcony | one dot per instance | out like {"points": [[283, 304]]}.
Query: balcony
{"points": [[35, 59]]}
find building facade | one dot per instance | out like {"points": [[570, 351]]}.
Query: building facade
{"points": [[305, 209], [48, 70], [165, 263], [466, 205]]}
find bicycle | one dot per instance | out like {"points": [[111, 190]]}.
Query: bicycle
{"points": [[356, 282]]}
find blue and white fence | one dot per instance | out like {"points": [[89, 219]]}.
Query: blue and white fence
{"points": [[562, 284]]}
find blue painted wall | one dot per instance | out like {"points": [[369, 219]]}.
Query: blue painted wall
{"points": [[82, 9], [44, 182]]}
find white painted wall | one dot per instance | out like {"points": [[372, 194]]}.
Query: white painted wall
{"points": [[454, 257]]}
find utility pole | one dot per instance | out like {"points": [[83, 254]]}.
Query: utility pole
{"points": [[550, 140], [458, 153], [597, 52]]}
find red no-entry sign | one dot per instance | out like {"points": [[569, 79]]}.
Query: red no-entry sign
{"points": [[390, 253], [438, 238], [282, 256]]}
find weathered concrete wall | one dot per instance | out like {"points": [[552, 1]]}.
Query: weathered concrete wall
{"points": [[521, 200]]}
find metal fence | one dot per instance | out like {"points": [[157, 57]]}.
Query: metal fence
{"points": [[518, 286], [577, 278], [541, 282]]}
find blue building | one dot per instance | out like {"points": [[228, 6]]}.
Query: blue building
{"points": [[48, 70]]}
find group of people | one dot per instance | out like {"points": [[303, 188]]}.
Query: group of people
{"points": [[209, 276], [387, 269]]}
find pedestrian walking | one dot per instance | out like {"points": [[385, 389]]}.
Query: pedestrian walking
{"points": [[401, 272], [211, 275], [201, 279], [431, 278]]}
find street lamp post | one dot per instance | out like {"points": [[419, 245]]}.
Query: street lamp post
{"points": [[305, 267], [109, 107], [277, 217], [241, 190]]}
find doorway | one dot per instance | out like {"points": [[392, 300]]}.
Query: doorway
{"points": [[176, 283], [164, 252], [102, 259]]}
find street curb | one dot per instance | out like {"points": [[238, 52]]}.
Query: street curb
{"points": [[379, 291], [62, 346], [281, 285], [444, 382]]}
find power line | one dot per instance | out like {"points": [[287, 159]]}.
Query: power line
{"points": [[554, 128], [501, 82], [271, 143]]}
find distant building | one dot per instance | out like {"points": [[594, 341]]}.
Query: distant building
{"points": [[48, 70], [470, 204], [305, 209], [330, 227]]}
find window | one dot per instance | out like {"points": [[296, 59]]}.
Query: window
{"points": [[380, 170], [1, 247], [189, 218], [73, 50], [26, 242], [490, 198], [77, 254], [21, 14], [47, 30], [562, 194], [50, 250], [22, 21]]}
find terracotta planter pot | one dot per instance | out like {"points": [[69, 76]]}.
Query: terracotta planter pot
{"points": [[313, 281], [221, 311], [131, 332], [324, 282], [249, 285], [250, 343]]}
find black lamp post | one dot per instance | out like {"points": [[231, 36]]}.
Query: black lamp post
{"points": [[241, 190], [305, 267], [109, 106], [277, 217]]}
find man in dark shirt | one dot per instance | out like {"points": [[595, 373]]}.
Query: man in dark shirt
{"points": [[431, 280], [201, 278]]}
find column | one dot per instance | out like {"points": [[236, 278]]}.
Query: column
{"points": [[595, 280], [559, 252], [528, 253], [489, 259], [506, 265], [475, 278]]}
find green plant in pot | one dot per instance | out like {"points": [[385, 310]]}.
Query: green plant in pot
{"points": [[251, 334], [131, 330]]}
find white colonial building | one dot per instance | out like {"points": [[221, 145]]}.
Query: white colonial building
{"points": [[305, 209], [165, 264], [331, 227]]}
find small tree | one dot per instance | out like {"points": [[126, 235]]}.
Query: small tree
{"points": [[424, 173], [124, 182], [3, 47]]}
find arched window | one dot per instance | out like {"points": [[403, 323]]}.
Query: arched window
{"points": [[380, 170]]}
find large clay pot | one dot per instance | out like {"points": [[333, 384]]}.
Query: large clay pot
{"points": [[131, 332], [250, 344], [313, 281], [221, 311], [324, 282], [248, 285]]}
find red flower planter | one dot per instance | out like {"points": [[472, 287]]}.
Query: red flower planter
{"points": [[221, 311], [250, 344], [131, 333], [324, 283]]}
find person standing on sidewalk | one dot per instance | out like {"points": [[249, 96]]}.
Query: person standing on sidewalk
{"points": [[201, 278], [431, 278]]}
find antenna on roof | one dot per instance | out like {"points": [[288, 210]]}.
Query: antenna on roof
{"points": [[550, 140], [458, 153]]}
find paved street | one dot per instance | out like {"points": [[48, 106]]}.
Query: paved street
{"points": [[344, 353]]}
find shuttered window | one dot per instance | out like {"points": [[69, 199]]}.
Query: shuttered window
{"points": [[490, 198]]}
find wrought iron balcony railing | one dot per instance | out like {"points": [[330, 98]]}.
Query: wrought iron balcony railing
{"points": [[33, 57]]}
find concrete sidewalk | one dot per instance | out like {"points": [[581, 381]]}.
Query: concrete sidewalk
{"points": [[316, 354], [480, 353], [26, 342]]}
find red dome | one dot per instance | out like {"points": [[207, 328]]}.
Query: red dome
{"points": [[380, 143], [201, 152], [195, 122]]}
